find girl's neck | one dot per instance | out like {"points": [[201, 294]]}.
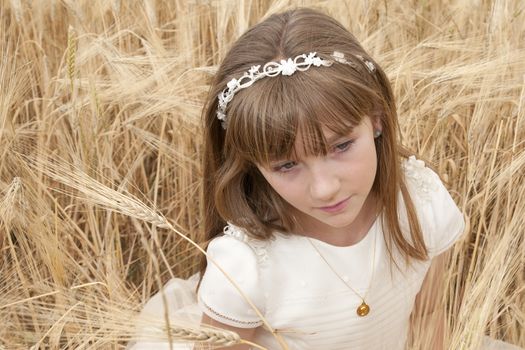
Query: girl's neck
{"points": [[342, 236]]}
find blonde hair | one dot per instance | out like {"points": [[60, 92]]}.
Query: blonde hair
{"points": [[264, 119]]}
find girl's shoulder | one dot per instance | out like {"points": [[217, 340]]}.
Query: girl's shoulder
{"points": [[441, 220], [237, 235], [422, 181], [232, 277]]}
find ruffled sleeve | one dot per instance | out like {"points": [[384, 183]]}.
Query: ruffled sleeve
{"points": [[217, 296], [441, 220]]}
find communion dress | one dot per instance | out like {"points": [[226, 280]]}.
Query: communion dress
{"points": [[300, 296]]}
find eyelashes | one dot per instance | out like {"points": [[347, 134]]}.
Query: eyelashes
{"points": [[343, 146], [285, 167], [290, 165]]}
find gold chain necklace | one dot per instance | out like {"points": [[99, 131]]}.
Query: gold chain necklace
{"points": [[363, 309]]}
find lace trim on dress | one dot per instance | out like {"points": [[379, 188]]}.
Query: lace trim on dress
{"points": [[218, 314], [415, 171], [258, 246]]}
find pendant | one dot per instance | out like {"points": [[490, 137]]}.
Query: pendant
{"points": [[363, 309]]}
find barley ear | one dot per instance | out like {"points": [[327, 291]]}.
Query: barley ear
{"points": [[218, 337], [71, 55]]}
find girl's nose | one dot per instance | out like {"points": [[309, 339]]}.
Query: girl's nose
{"points": [[324, 183]]}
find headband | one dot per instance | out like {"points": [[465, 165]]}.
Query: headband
{"points": [[284, 67]]}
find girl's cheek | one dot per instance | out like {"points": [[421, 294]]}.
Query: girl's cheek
{"points": [[288, 179]]}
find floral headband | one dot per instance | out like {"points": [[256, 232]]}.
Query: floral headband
{"points": [[284, 67]]}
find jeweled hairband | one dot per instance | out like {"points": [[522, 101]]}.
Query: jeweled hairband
{"points": [[284, 67]]}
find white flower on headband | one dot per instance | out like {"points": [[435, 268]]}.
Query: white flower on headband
{"points": [[232, 84], [285, 67], [288, 67], [254, 69], [369, 65], [339, 57]]}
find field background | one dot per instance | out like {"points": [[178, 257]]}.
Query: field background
{"points": [[99, 134]]}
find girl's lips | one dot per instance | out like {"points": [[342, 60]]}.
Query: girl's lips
{"points": [[336, 207]]}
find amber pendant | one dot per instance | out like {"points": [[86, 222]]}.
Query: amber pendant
{"points": [[363, 309]]}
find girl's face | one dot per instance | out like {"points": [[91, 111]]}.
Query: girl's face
{"points": [[327, 193]]}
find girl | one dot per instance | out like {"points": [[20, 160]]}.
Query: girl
{"points": [[305, 170], [323, 223]]}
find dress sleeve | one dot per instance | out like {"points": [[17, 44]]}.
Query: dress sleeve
{"points": [[440, 219], [217, 296]]}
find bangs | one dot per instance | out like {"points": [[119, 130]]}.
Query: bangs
{"points": [[266, 118]]}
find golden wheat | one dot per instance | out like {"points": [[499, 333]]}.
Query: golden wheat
{"points": [[100, 192]]}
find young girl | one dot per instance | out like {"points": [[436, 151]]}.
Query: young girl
{"points": [[324, 224]]}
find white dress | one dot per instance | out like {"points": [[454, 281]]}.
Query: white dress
{"points": [[301, 297]]}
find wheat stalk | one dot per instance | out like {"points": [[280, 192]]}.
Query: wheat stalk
{"points": [[206, 335], [457, 73], [11, 201], [106, 197], [71, 56], [16, 5]]}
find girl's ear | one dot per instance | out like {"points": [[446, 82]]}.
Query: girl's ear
{"points": [[376, 122]]}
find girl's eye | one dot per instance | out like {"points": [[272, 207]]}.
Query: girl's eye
{"points": [[284, 167], [343, 146]]}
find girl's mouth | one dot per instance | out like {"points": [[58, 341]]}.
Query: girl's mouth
{"points": [[336, 207]]}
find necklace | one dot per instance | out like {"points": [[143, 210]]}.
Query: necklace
{"points": [[363, 309]]}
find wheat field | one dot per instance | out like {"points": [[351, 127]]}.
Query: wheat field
{"points": [[100, 141]]}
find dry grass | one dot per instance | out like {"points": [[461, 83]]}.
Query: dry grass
{"points": [[114, 88]]}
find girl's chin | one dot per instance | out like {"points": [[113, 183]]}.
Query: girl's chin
{"points": [[335, 222]]}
